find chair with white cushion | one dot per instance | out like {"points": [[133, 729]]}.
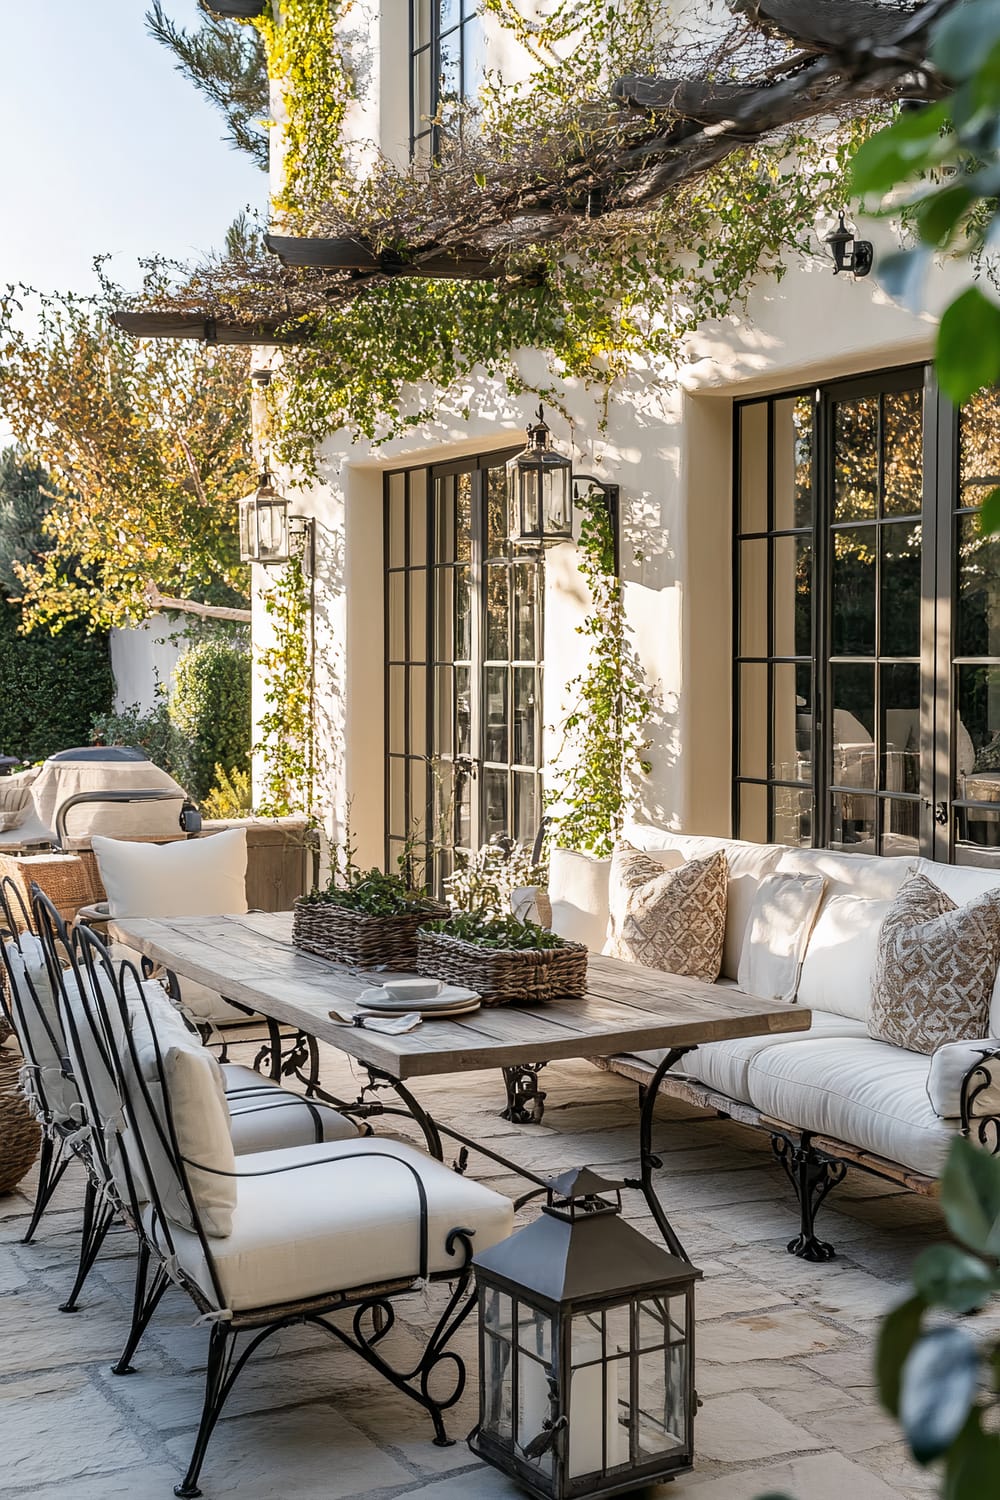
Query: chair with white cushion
{"points": [[269, 1240]]}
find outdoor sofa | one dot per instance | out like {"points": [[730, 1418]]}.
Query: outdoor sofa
{"points": [[831, 1097]]}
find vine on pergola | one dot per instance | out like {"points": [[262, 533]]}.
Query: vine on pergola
{"points": [[633, 189]]}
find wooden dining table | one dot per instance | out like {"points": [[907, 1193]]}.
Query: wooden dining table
{"points": [[627, 1008]]}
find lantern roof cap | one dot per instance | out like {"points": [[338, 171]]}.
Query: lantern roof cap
{"points": [[588, 1258], [582, 1182]]}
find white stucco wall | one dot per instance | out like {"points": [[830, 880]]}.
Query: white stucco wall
{"points": [[143, 656], [668, 443]]}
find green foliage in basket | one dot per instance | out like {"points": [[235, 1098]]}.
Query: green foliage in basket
{"points": [[374, 893], [496, 932]]}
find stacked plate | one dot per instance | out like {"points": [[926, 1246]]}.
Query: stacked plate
{"points": [[402, 998]]}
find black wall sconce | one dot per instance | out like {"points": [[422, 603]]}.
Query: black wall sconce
{"points": [[849, 254]]}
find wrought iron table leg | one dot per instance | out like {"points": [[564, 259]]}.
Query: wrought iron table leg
{"points": [[812, 1176], [525, 1100], [649, 1161]]}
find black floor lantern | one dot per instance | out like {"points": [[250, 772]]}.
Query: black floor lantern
{"points": [[586, 1349]]}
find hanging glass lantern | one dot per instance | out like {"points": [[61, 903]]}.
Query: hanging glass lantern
{"points": [[541, 501], [586, 1355], [265, 534]]}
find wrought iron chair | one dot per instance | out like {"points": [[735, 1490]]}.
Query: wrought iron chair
{"points": [[265, 1242]]}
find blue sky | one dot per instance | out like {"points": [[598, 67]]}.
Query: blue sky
{"points": [[106, 147]]}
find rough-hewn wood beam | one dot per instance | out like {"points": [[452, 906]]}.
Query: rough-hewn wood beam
{"points": [[178, 325], [237, 10], [349, 254]]}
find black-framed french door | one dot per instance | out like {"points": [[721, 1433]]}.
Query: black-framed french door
{"points": [[463, 690], [867, 626]]}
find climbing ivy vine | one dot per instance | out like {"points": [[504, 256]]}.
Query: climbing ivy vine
{"points": [[285, 744], [603, 754]]}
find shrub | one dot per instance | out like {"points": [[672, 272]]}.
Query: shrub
{"points": [[151, 731], [231, 796], [210, 706], [51, 686]]}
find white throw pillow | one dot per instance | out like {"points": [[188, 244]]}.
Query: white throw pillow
{"points": [[578, 893], [774, 944], [837, 970], [198, 1109], [192, 878]]}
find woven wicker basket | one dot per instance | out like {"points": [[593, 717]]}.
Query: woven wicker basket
{"points": [[20, 1135], [65, 879], [502, 976], [352, 937]]}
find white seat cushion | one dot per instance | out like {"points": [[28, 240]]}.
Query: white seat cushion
{"points": [[274, 1119], [867, 1093], [724, 1066], [747, 864], [350, 1220], [194, 878]]}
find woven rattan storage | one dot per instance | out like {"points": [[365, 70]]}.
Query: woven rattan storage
{"points": [[502, 976], [65, 879], [353, 937], [20, 1135]]}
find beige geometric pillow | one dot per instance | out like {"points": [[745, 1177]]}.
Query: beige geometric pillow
{"points": [[935, 968], [673, 919]]}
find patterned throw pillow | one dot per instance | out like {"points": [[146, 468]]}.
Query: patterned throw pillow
{"points": [[670, 919], [935, 968]]}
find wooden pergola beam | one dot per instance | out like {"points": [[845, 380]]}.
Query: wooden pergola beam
{"points": [[459, 262], [177, 325], [237, 10]]}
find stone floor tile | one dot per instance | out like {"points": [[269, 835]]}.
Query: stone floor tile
{"points": [[771, 1335], [150, 1482], [825, 1476], [60, 1434], [740, 1428], [868, 1428], [716, 1296], [309, 1452]]}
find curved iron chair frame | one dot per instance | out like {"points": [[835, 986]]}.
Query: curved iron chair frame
{"points": [[159, 1251]]}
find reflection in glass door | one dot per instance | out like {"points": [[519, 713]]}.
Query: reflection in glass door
{"points": [[873, 656], [470, 767]]}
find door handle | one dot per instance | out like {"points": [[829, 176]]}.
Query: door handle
{"points": [[941, 813]]}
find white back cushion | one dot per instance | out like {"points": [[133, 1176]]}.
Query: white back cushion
{"points": [[774, 944], [840, 958], [193, 878], [748, 864], [197, 1097], [578, 893], [869, 875], [43, 1041]]}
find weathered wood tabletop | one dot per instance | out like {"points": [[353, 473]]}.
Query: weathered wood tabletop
{"points": [[627, 1008]]}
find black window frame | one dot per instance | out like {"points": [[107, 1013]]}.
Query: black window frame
{"points": [[425, 61]]}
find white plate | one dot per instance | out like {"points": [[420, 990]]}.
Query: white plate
{"points": [[377, 998], [428, 1012]]}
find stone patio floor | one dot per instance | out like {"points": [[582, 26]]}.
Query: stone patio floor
{"points": [[784, 1360]]}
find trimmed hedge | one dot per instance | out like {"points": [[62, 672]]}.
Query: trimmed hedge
{"points": [[51, 686], [210, 705]]}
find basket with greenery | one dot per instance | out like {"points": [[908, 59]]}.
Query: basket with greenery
{"points": [[502, 959], [364, 917]]}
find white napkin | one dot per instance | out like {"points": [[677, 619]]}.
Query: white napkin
{"points": [[391, 1025]]}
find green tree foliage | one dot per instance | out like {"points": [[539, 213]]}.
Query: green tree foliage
{"points": [[225, 62], [938, 169], [50, 690], [25, 499], [210, 706], [147, 444]]}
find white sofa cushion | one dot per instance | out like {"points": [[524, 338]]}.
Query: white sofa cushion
{"points": [[840, 957], [192, 878], [724, 1066], [275, 1119], [578, 895], [949, 1065], [774, 944], [855, 1089], [747, 864], [15, 799], [351, 1220], [872, 876]]}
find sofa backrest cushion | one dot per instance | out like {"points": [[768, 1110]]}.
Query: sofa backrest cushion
{"points": [[837, 970], [578, 894], [747, 864], [871, 876]]}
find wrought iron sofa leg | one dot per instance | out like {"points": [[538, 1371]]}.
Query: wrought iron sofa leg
{"points": [[52, 1163], [812, 1176], [525, 1100], [145, 1301], [98, 1217]]}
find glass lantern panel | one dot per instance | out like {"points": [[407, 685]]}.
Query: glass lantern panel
{"points": [[248, 530], [534, 1332], [534, 1408], [497, 1312], [272, 520], [661, 1320], [661, 1401], [497, 1388], [529, 485], [557, 515]]}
